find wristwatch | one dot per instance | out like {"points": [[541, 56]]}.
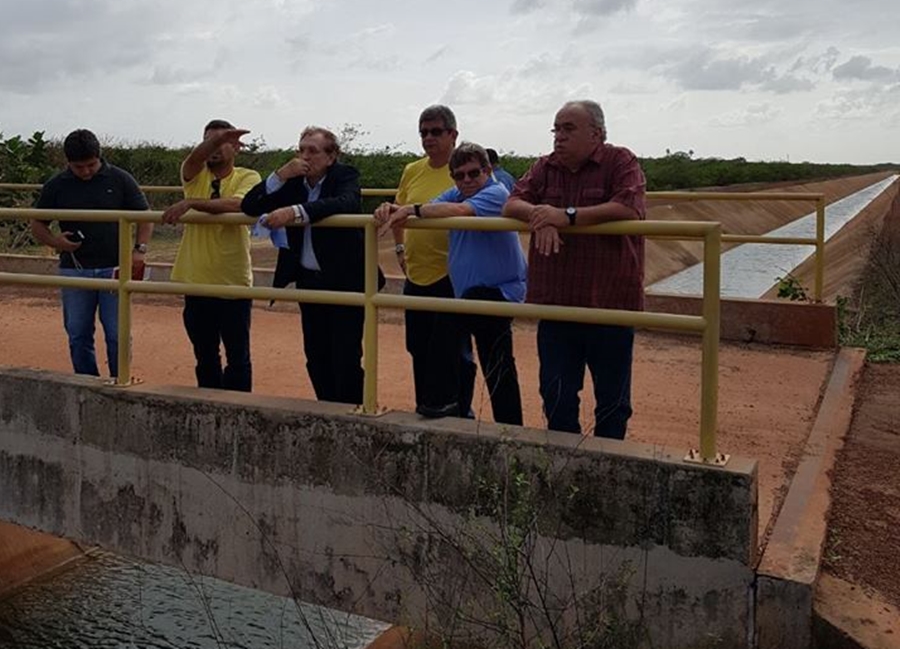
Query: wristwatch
{"points": [[141, 248], [399, 248], [571, 212]]}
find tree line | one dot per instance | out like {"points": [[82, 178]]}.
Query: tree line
{"points": [[35, 159]]}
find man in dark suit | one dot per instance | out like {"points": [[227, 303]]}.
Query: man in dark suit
{"points": [[305, 190]]}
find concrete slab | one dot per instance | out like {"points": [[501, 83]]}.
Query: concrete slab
{"points": [[846, 617], [790, 563]]}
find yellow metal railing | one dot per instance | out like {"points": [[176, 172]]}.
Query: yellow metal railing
{"points": [[818, 241], [173, 189], [707, 324]]}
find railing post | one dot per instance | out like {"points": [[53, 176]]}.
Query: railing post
{"points": [[370, 327], [820, 249], [709, 373], [124, 307]]}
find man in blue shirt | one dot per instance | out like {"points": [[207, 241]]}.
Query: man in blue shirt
{"points": [[483, 266], [501, 175]]}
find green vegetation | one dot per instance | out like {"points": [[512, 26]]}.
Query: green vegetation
{"points": [[21, 161], [872, 318], [790, 288], [153, 164]]}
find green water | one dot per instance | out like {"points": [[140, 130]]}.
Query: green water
{"points": [[110, 602]]}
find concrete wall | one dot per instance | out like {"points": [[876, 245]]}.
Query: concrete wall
{"points": [[778, 322], [390, 517]]}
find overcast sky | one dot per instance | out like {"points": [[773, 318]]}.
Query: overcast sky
{"points": [[814, 80]]}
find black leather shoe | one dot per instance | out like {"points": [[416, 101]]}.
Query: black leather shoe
{"points": [[436, 412]]}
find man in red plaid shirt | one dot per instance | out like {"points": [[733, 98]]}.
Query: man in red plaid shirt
{"points": [[585, 181]]}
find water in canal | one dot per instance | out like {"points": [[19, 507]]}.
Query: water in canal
{"points": [[110, 602]]}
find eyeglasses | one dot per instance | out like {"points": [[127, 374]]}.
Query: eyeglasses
{"points": [[472, 174], [215, 185], [433, 132]]}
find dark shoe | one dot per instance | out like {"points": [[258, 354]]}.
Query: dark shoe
{"points": [[436, 412]]}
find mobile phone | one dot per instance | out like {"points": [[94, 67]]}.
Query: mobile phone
{"points": [[76, 236]]}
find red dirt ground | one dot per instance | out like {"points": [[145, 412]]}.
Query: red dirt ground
{"points": [[863, 545], [767, 398]]}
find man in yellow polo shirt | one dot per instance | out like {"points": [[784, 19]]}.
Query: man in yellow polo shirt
{"points": [[216, 254], [422, 255]]}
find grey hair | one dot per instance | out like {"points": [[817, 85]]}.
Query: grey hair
{"points": [[441, 112], [467, 151], [331, 142], [593, 110]]}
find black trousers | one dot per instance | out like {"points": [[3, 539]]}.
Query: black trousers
{"points": [[211, 322], [428, 334], [493, 340], [332, 343]]}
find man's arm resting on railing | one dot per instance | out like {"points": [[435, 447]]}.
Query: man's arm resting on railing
{"points": [[541, 216], [429, 211], [208, 205], [516, 208]]}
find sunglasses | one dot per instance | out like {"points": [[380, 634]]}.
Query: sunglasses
{"points": [[471, 174], [433, 132], [215, 185]]}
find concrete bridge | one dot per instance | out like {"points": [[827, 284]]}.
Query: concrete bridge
{"points": [[466, 529]]}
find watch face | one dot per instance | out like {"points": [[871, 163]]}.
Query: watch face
{"points": [[570, 211]]}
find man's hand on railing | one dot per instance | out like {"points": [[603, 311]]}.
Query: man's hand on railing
{"points": [[383, 215], [398, 219], [547, 241], [173, 213], [280, 217], [543, 216]]}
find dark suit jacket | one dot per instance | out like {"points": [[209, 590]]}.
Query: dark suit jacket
{"points": [[339, 251]]}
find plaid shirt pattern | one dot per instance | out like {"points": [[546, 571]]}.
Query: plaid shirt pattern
{"points": [[590, 270]]}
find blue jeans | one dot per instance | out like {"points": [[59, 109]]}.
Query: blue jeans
{"points": [[79, 315], [564, 348]]}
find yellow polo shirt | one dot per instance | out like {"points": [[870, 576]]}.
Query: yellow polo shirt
{"points": [[216, 254], [426, 250]]}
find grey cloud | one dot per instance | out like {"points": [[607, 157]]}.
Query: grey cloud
{"points": [[877, 103], [465, 88], [754, 24], [526, 6], [437, 54], [708, 70], [539, 67], [701, 71], [375, 63], [164, 75], [602, 7], [748, 116], [63, 40], [861, 68], [786, 84], [299, 43], [818, 64]]}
